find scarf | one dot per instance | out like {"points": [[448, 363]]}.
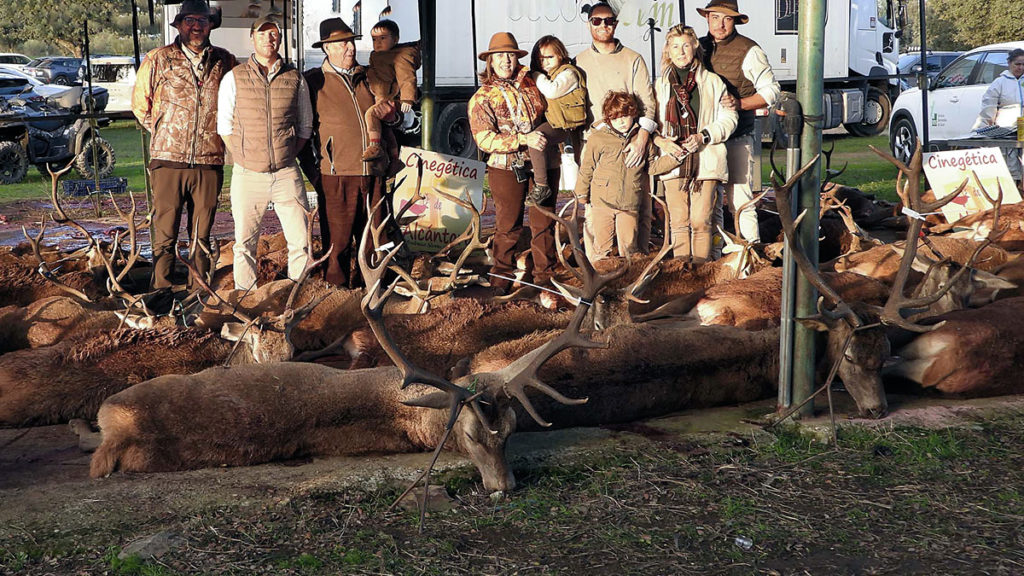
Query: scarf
{"points": [[680, 116]]}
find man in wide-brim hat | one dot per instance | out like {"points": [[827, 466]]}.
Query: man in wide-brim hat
{"points": [[333, 160], [177, 85], [751, 85]]}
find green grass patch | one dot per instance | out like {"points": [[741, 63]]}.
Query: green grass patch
{"points": [[133, 566], [866, 170]]}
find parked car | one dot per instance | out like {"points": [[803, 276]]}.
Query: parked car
{"points": [[16, 83], [910, 63], [55, 70], [954, 99], [14, 60]]}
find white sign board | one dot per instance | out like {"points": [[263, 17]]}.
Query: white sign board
{"points": [[947, 170], [440, 220]]}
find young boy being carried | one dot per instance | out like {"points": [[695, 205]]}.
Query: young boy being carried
{"points": [[604, 181], [391, 75]]}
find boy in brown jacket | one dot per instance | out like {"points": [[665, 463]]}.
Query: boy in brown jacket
{"points": [[391, 75], [612, 189]]}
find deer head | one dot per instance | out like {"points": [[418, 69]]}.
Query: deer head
{"points": [[483, 430]]}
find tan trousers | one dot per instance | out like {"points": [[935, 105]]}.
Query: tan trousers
{"points": [[250, 193], [609, 225], [690, 205]]}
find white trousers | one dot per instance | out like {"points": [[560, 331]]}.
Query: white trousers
{"points": [[740, 158], [250, 193]]}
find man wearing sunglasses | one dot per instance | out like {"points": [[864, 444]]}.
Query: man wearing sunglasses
{"points": [[175, 99], [610, 66]]}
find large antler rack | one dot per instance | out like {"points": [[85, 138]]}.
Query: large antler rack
{"points": [[522, 373]]}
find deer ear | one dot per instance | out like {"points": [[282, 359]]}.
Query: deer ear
{"points": [[234, 331], [816, 322], [437, 400], [991, 281]]}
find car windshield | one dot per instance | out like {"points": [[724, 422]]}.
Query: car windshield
{"points": [[35, 62]]}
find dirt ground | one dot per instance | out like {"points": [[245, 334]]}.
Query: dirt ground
{"points": [[935, 488]]}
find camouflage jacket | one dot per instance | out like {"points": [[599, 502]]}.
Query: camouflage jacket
{"points": [[502, 112], [178, 108]]}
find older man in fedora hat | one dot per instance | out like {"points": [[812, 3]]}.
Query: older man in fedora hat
{"points": [[265, 100], [340, 96], [175, 99], [750, 85]]}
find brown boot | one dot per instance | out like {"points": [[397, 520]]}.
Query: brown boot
{"points": [[373, 152]]}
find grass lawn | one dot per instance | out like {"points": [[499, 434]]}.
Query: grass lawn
{"points": [[866, 171]]}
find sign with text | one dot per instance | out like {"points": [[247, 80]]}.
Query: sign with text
{"points": [[947, 170], [439, 219]]}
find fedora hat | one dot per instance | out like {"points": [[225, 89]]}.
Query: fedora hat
{"points": [[334, 30], [503, 42], [727, 7], [198, 8]]}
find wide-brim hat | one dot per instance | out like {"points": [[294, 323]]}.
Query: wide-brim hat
{"points": [[503, 42], [335, 30], [727, 7], [198, 8]]}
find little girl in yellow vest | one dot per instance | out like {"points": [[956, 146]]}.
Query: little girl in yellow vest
{"points": [[563, 87]]}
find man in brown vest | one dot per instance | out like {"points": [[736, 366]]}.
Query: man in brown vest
{"points": [[333, 162], [175, 99], [750, 85], [265, 118]]}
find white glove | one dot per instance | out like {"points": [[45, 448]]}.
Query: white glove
{"points": [[406, 107]]}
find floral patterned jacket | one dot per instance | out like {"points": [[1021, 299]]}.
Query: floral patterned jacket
{"points": [[502, 112]]}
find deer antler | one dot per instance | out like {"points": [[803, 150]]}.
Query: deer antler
{"points": [[472, 236], [830, 174], [44, 268], [523, 372], [651, 270]]}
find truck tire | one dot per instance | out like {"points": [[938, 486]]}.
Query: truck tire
{"points": [[13, 163], [876, 115], [451, 132], [105, 152], [903, 139]]}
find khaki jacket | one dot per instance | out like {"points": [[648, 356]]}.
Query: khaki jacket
{"points": [[179, 109], [713, 117], [603, 177]]}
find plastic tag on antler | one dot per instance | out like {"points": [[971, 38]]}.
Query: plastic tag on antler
{"points": [[386, 247], [912, 213]]}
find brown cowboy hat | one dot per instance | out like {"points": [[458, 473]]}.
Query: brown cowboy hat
{"points": [[503, 42], [727, 7], [334, 30], [198, 8]]}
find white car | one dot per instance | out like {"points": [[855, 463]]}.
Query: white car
{"points": [[954, 99], [14, 60]]}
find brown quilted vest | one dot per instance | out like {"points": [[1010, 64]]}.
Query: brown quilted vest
{"points": [[726, 59], [185, 108], [340, 136], [265, 118]]}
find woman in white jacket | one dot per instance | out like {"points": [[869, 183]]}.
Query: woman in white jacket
{"points": [[1002, 105], [693, 127]]}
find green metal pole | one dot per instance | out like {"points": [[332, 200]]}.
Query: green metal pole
{"points": [[428, 27], [809, 87]]}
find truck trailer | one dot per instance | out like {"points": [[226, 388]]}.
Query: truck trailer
{"points": [[861, 36]]}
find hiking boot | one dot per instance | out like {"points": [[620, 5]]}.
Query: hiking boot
{"points": [[373, 152], [538, 194]]}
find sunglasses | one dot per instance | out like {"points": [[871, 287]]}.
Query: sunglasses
{"points": [[609, 21]]}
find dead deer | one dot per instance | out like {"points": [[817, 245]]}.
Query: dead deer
{"points": [[970, 353], [858, 326], [287, 409]]}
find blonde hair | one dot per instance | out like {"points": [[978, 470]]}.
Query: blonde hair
{"points": [[681, 30]]}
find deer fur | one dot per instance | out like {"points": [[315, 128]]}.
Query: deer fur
{"points": [[48, 321], [976, 352]]}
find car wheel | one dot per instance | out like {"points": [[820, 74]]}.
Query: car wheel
{"points": [[452, 134], [13, 163], [876, 115], [62, 80], [105, 158], [903, 139]]}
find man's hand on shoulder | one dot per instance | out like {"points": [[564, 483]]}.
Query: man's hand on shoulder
{"points": [[636, 149]]}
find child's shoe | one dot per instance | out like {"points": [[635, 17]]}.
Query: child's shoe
{"points": [[537, 194], [373, 152]]}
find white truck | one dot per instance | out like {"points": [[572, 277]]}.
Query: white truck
{"points": [[861, 38]]}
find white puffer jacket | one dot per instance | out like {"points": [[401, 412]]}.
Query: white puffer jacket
{"points": [[717, 120], [1001, 104]]}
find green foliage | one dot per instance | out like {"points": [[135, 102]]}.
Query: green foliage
{"points": [[40, 27], [942, 29], [133, 565], [973, 23]]}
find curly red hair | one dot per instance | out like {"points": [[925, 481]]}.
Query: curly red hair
{"points": [[619, 104]]}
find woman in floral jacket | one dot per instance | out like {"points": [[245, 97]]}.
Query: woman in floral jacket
{"points": [[503, 115]]}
